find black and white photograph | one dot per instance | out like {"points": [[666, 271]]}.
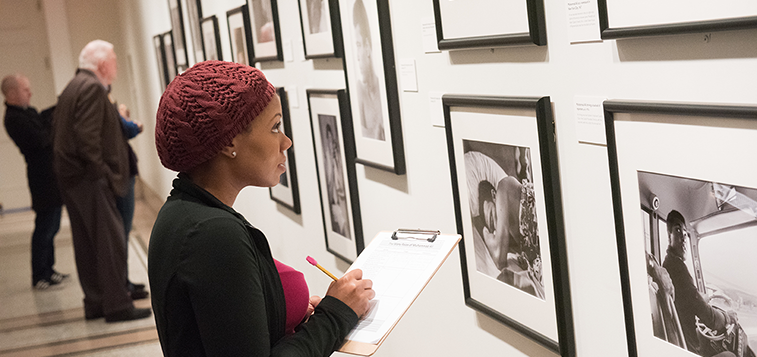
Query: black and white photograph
{"points": [[194, 15], [640, 18], [287, 192], [160, 55], [266, 36], [498, 23], [211, 39], [372, 82], [508, 208], [700, 244], [501, 200], [334, 152], [179, 38], [171, 69], [239, 34], [685, 205], [321, 28]]}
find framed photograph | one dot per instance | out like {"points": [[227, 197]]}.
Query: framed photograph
{"points": [[239, 35], [498, 23], [211, 39], [287, 192], [179, 39], [372, 84], [266, 36], [193, 9], [334, 149], [160, 55], [321, 28], [171, 68], [684, 191], [508, 206], [623, 19]]}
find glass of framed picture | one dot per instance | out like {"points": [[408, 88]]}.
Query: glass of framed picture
{"points": [[193, 10], [238, 21], [287, 192], [498, 23], [211, 39], [181, 55], [337, 181], [684, 188], [171, 67], [372, 84], [623, 19], [508, 206], [266, 36], [321, 28], [160, 55]]}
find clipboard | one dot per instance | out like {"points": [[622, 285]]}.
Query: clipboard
{"points": [[400, 264]]}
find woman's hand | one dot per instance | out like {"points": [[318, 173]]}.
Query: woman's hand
{"points": [[354, 291]]}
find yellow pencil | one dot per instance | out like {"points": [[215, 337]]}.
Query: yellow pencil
{"points": [[312, 261]]}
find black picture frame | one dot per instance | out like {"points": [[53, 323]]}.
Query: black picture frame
{"points": [[666, 156], [238, 21], [608, 31], [287, 192], [171, 68], [519, 279], [160, 55], [211, 39], [340, 203], [193, 11], [322, 40], [179, 38], [378, 140], [532, 14], [266, 33]]}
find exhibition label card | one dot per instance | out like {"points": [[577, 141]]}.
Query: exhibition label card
{"points": [[590, 120], [583, 21]]}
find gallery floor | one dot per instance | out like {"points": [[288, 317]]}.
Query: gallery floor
{"points": [[51, 322]]}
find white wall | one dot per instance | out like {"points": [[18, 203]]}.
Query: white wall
{"points": [[676, 68]]}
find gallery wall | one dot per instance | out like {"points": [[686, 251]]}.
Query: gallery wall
{"points": [[718, 68]]}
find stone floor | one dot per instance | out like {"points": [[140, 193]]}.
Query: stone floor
{"points": [[51, 322]]}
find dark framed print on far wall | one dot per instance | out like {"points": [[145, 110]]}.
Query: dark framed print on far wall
{"points": [[624, 19], [684, 189], [287, 192], [371, 76], [508, 206], [179, 39], [498, 23], [238, 21], [160, 55], [193, 11], [266, 35], [321, 28], [211, 39], [334, 149], [171, 69]]}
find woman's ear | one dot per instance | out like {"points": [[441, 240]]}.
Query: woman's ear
{"points": [[229, 151]]}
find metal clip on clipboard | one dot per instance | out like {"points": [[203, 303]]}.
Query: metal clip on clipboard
{"points": [[418, 234]]}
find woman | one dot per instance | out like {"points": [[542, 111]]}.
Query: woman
{"points": [[216, 289]]}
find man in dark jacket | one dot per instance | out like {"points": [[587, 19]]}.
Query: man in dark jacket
{"points": [[92, 166], [32, 134]]}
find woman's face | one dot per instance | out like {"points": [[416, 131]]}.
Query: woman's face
{"points": [[260, 148]]}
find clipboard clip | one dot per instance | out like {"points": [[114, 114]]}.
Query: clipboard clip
{"points": [[418, 234]]}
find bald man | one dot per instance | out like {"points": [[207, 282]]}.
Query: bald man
{"points": [[32, 134]]}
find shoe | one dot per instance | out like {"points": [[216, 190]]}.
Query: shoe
{"points": [[43, 284], [139, 294], [128, 315], [133, 286], [58, 277], [94, 315]]}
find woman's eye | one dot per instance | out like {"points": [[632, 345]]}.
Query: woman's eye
{"points": [[277, 127]]}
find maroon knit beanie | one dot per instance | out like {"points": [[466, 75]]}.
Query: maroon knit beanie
{"points": [[204, 108]]}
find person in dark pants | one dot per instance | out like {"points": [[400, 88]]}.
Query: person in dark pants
{"points": [[31, 131], [92, 166]]}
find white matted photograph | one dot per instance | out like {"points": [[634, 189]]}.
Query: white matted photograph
{"points": [[211, 39], [334, 152], [685, 204], [238, 21], [321, 28], [287, 192], [266, 36], [506, 189], [179, 38]]}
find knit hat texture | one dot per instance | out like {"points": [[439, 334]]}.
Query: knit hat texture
{"points": [[204, 108]]}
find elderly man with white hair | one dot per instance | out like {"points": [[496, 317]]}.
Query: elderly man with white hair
{"points": [[91, 163]]}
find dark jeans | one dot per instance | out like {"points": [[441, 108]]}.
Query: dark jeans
{"points": [[126, 208], [46, 225]]}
